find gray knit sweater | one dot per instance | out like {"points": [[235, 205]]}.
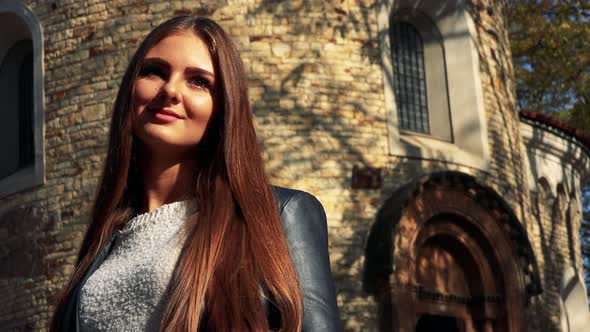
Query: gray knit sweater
{"points": [[126, 293]]}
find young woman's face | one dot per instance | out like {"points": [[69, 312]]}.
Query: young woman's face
{"points": [[173, 95]]}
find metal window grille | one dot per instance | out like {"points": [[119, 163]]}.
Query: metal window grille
{"points": [[409, 79]]}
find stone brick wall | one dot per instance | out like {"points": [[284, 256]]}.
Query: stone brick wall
{"points": [[553, 253], [556, 212], [317, 94]]}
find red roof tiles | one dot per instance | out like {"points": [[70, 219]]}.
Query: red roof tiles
{"points": [[545, 119]]}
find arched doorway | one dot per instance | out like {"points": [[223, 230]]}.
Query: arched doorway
{"points": [[456, 275], [448, 252]]}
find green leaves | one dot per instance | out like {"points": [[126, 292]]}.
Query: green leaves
{"points": [[550, 43]]}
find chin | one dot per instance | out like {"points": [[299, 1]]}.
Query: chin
{"points": [[165, 144]]}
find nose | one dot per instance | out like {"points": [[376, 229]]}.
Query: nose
{"points": [[170, 91]]}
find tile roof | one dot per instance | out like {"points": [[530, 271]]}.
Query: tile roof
{"points": [[577, 134]]}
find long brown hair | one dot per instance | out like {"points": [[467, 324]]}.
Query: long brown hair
{"points": [[235, 248]]}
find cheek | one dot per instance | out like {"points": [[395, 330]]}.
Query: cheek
{"points": [[145, 91], [200, 108]]}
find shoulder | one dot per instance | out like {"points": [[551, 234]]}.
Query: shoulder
{"points": [[300, 209], [288, 198]]}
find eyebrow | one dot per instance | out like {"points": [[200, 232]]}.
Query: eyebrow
{"points": [[190, 70]]}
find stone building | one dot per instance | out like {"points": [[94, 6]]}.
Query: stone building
{"points": [[447, 207]]}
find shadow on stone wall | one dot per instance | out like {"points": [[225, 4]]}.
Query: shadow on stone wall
{"points": [[505, 147], [318, 112], [24, 239], [308, 123], [306, 117]]}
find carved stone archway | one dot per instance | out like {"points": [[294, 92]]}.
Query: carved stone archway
{"points": [[447, 251]]}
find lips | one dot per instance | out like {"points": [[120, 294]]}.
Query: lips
{"points": [[165, 115], [166, 112]]}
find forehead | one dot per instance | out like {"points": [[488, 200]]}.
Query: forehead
{"points": [[181, 50]]}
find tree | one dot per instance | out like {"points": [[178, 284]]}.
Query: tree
{"points": [[550, 42]]}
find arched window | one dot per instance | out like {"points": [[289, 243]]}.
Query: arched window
{"points": [[25, 110], [431, 78], [419, 77], [21, 92], [16, 78], [407, 52]]}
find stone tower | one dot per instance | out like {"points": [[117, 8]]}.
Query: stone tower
{"points": [[446, 206]]}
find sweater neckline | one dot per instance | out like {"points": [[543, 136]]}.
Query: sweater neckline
{"points": [[166, 213]]}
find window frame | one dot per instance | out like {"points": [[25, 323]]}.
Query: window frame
{"points": [[34, 174], [466, 143]]}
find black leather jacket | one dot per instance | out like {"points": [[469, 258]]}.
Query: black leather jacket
{"points": [[304, 224]]}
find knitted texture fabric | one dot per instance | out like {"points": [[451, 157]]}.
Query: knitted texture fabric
{"points": [[127, 292]]}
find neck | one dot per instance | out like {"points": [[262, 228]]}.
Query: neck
{"points": [[166, 179]]}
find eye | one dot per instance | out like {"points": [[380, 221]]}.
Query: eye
{"points": [[200, 82], [151, 70]]}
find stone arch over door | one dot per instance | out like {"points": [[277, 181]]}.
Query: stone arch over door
{"points": [[448, 251]]}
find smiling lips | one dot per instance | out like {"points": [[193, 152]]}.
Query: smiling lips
{"points": [[165, 115]]}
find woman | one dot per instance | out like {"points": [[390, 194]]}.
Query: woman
{"points": [[212, 245]]}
